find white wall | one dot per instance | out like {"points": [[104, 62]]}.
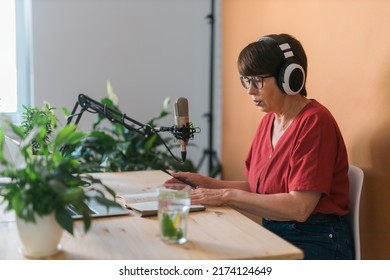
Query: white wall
{"points": [[148, 49]]}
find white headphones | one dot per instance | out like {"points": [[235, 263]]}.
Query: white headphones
{"points": [[291, 76]]}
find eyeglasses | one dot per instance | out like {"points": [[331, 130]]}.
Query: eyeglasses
{"points": [[257, 81]]}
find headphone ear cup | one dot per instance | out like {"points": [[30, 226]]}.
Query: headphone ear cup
{"points": [[291, 78]]}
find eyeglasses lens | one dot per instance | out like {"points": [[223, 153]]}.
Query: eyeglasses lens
{"points": [[246, 82]]}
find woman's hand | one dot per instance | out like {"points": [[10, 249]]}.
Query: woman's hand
{"points": [[205, 196], [201, 194], [194, 178]]}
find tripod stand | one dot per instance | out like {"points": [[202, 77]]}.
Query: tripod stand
{"points": [[214, 166]]}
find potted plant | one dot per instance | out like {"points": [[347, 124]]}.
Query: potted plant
{"points": [[42, 189]]}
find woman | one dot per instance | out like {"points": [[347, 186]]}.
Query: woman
{"points": [[297, 165]]}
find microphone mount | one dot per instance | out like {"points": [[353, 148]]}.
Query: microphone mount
{"points": [[92, 106]]}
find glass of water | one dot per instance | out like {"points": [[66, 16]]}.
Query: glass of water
{"points": [[173, 208]]}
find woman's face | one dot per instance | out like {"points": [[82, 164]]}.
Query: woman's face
{"points": [[269, 98]]}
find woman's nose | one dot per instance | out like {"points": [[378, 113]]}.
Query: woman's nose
{"points": [[252, 89]]}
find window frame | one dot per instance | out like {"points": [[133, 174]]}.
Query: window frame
{"points": [[24, 76]]}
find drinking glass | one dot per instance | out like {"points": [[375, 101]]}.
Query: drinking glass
{"points": [[173, 208]]}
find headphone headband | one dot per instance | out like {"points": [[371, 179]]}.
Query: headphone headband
{"points": [[291, 77]]}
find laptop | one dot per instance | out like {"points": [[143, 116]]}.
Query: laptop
{"points": [[97, 210], [13, 155]]}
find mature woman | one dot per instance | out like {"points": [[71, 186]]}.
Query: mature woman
{"points": [[297, 165]]}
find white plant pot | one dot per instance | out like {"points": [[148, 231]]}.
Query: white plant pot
{"points": [[42, 238]]}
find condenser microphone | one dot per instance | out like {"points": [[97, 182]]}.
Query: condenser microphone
{"points": [[182, 123]]}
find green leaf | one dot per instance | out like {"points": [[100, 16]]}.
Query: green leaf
{"points": [[2, 134], [17, 130], [75, 137], [18, 204], [66, 111], [111, 94], [63, 135], [150, 143], [86, 219], [168, 230], [64, 219], [74, 195]]}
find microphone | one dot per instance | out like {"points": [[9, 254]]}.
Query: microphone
{"points": [[182, 123]]}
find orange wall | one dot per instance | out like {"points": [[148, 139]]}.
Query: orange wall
{"points": [[348, 48]]}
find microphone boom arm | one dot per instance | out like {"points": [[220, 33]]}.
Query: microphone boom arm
{"points": [[90, 105]]}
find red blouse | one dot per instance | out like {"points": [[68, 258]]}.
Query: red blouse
{"points": [[310, 155]]}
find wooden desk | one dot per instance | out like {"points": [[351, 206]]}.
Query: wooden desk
{"points": [[217, 233]]}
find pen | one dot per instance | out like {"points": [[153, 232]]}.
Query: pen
{"points": [[192, 185]]}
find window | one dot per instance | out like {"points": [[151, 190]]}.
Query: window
{"points": [[8, 98], [15, 64]]}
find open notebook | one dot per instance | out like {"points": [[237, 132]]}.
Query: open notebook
{"points": [[146, 204]]}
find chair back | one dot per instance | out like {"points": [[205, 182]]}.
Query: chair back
{"points": [[356, 176]]}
